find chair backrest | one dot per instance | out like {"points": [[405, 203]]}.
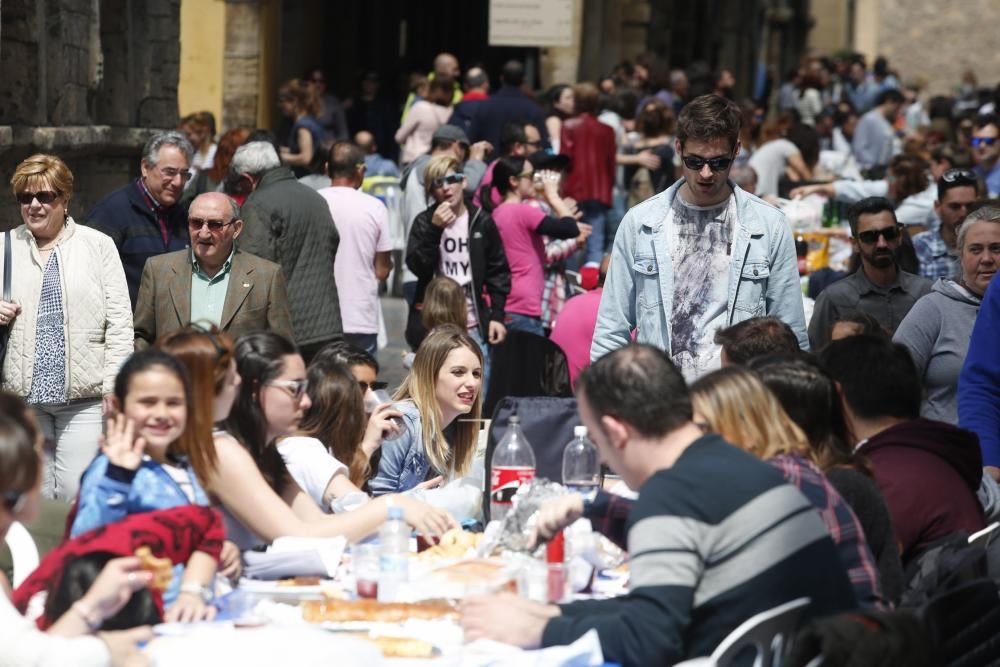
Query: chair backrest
{"points": [[963, 624], [23, 553], [547, 424], [526, 365], [769, 633]]}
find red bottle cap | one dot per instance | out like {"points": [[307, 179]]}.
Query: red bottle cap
{"points": [[555, 550]]}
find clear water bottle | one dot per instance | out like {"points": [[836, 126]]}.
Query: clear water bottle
{"points": [[380, 397], [581, 467], [513, 464], [394, 556]]}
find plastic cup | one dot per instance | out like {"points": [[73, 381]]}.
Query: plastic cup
{"points": [[365, 567]]}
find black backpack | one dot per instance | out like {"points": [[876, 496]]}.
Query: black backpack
{"points": [[945, 565]]}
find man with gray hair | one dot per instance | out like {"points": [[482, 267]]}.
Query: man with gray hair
{"points": [[145, 218], [289, 223], [214, 283]]}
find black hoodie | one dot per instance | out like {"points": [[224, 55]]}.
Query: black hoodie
{"points": [[929, 472]]}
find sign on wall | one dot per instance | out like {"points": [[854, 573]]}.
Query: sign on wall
{"points": [[536, 23]]}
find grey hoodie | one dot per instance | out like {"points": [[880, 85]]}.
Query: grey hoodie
{"points": [[937, 331]]}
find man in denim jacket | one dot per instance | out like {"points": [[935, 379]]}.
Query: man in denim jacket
{"points": [[700, 256]]}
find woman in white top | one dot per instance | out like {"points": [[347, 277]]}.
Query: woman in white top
{"points": [[71, 640], [261, 386], [808, 99]]}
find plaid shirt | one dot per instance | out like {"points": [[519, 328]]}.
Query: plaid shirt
{"points": [[936, 261], [840, 521]]}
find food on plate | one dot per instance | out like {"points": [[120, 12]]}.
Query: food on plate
{"points": [[456, 543], [161, 568], [472, 571], [402, 647], [300, 581], [372, 611]]}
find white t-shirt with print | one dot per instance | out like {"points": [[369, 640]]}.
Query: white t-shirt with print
{"points": [[456, 263]]}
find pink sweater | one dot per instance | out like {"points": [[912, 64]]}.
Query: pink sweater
{"points": [[422, 120]]}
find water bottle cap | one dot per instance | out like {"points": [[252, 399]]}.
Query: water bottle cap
{"points": [[514, 419], [580, 431], [395, 513]]}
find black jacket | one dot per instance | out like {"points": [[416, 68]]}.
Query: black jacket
{"points": [[490, 271]]}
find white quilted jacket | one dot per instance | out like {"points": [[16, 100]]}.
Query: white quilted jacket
{"points": [[97, 313]]}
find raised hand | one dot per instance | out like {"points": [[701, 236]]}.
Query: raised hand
{"points": [[120, 445]]}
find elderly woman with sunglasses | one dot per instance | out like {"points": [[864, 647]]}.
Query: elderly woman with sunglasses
{"points": [[71, 639], [937, 329], [69, 319]]}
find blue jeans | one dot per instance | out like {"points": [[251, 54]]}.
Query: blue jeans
{"points": [[364, 341], [410, 293], [594, 214], [525, 323]]}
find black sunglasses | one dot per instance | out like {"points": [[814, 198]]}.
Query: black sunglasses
{"points": [[450, 179], [43, 197], [374, 386], [871, 236], [716, 164], [213, 225], [13, 501], [959, 176]]}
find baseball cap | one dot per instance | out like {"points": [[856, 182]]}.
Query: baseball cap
{"points": [[451, 133]]}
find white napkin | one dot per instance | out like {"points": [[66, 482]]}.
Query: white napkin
{"points": [[330, 549], [584, 652]]}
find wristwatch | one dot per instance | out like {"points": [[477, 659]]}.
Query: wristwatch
{"points": [[193, 588]]}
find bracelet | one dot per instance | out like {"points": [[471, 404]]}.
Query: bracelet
{"points": [[204, 593], [92, 620]]}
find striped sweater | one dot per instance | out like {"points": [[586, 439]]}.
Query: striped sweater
{"points": [[713, 540]]}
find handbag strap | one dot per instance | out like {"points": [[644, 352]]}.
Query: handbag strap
{"points": [[6, 266]]}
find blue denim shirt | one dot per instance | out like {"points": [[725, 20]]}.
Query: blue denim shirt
{"points": [[404, 462], [639, 290]]}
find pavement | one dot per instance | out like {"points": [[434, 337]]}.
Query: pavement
{"points": [[390, 358]]}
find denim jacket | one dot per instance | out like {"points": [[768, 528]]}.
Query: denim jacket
{"points": [[105, 499], [404, 462], [638, 291]]}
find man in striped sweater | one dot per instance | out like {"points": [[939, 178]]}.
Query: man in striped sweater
{"points": [[715, 536]]}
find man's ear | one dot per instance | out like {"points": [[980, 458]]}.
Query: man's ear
{"points": [[237, 228], [616, 430]]}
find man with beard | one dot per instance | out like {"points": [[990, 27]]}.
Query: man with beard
{"points": [[878, 288]]}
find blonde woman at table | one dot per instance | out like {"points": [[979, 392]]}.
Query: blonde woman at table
{"points": [[69, 318], [261, 399], [443, 391], [70, 640]]}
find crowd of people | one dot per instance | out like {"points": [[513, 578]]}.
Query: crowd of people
{"points": [[195, 360]]}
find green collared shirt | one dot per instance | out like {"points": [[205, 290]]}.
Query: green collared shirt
{"points": [[208, 295]]}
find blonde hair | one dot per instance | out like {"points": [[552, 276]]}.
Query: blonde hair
{"points": [[444, 303], [40, 167], [420, 386], [739, 407], [438, 168]]}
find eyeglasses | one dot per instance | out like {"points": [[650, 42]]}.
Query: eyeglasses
{"points": [[214, 226], [982, 141], [450, 179], [13, 501], [43, 197], [170, 174], [871, 236], [716, 164], [959, 175], [296, 388], [374, 386]]}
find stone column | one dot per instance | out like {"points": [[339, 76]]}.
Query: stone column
{"points": [[241, 64]]}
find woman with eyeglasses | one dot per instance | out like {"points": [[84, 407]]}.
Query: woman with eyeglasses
{"points": [[149, 461], [455, 238], [72, 638], [69, 319], [522, 227], [260, 499], [937, 329]]}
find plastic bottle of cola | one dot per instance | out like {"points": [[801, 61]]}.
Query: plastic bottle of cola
{"points": [[513, 464]]}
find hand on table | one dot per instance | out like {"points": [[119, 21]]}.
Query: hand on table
{"points": [[505, 618], [427, 519], [188, 608]]}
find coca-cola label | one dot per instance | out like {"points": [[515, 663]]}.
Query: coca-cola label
{"points": [[504, 482]]}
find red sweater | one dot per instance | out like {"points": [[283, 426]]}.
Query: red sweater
{"points": [[590, 145]]}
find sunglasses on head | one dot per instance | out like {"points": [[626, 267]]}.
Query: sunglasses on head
{"points": [[982, 141], [374, 386], [450, 179], [43, 197], [213, 225], [871, 236], [959, 175], [696, 163], [296, 388]]}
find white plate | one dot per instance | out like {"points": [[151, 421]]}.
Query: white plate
{"points": [[261, 587]]}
